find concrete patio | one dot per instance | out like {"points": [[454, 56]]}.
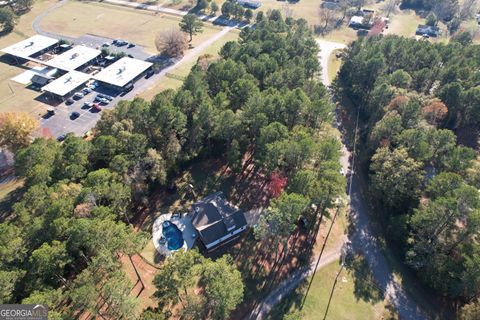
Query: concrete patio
{"points": [[184, 224]]}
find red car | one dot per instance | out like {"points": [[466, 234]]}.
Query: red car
{"points": [[96, 107]]}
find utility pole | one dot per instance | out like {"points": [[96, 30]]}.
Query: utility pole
{"points": [[319, 257]]}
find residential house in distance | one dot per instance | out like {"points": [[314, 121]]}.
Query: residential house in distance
{"points": [[430, 31], [251, 4], [217, 221]]}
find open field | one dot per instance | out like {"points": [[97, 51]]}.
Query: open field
{"points": [[182, 70], [14, 96], [404, 23], [353, 297], [139, 27]]}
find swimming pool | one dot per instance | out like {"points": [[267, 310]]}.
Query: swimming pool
{"points": [[173, 235]]}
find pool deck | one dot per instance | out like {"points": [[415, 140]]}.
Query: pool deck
{"points": [[184, 224]]}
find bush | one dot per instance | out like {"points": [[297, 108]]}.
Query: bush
{"points": [[7, 19]]}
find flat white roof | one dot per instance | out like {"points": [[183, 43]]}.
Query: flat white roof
{"points": [[123, 71], [30, 46], [73, 58], [356, 20], [66, 83]]}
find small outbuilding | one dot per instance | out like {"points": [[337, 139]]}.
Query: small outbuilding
{"points": [[251, 4], [356, 22], [431, 31], [217, 221]]}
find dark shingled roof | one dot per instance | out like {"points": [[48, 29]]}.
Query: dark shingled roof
{"points": [[214, 218]]}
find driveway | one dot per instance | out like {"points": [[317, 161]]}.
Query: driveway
{"points": [[326, 50]]}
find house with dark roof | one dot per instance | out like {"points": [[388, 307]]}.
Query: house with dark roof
{"points": [[217, 221], [431, 31], [250, 4]]}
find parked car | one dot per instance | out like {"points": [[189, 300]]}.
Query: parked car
{"points": [[86, 91], [78, 95], [131, 45], [94, 85], [74, 115], [97, 107], [69, 101], [50, 111], [105, 44], [104, 101], [121, 43], [130, 56], [87, 105], [149, 73], [109, 98], [61, 137], [128, 88]]}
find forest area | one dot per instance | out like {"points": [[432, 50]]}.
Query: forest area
{"points": [[259, 106], [420, 106]]}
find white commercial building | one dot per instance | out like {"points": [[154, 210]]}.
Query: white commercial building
{"points": [[120, 73], [66, 83], [73, 58], [30, 46]]}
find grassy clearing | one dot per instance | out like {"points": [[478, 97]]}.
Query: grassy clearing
{"points": [[14, 96], [348, 301], [334, 65], [140, 27], [404, 24]]}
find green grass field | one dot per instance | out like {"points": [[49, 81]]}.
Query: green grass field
{"points": [[346, 302], [140, 27]]}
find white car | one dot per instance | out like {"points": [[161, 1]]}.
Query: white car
{"points": [[78, 95]]}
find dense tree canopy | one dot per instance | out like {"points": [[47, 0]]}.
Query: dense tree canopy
{"points": [[414, 97], [261, 103]]}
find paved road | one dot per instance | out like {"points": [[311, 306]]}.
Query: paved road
{"points": [[362, 240], [160, 8]]}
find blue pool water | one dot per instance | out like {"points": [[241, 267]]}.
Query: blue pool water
{"points": [[173, 235]]}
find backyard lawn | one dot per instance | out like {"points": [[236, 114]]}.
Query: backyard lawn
{"points": [[140, 27], [354, 296]]}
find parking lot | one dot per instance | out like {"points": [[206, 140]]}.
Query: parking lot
{"points": [[61, 123]]}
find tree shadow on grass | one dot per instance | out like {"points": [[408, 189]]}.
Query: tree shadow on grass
{"points": [[290, 303], [8, 201], [365, 286]]}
